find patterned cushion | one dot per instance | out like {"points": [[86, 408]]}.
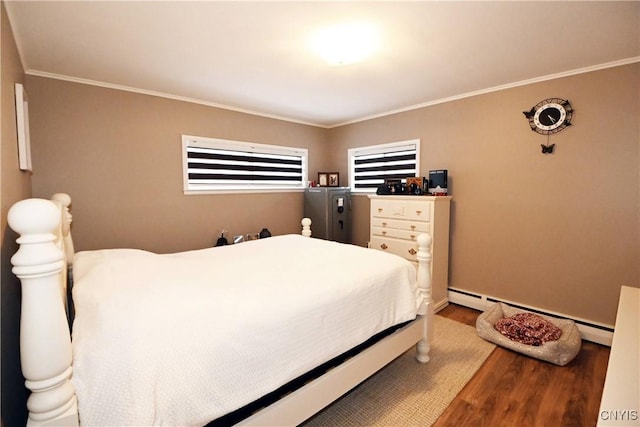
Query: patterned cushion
{"points": [[559, 352]]}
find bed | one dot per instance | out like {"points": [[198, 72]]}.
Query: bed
{"points": [[200, 336]]}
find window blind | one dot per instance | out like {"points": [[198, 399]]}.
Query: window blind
{"points": [[371, 166], [213, 164]]}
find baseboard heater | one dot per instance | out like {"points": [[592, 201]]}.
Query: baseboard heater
{"points": [[591, 331]]}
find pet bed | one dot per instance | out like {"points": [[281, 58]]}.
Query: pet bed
{"points": [[559, 352]]}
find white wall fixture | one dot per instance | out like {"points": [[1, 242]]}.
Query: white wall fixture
{"points": [[22, 122]]}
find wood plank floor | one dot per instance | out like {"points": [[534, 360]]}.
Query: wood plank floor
{"points": [[511, 389]]}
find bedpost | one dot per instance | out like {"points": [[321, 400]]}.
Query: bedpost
{"points": [[45, 342], [424, 285], [306, 227]]}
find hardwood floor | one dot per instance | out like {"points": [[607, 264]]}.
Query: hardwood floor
{"points": [[511, 389]]}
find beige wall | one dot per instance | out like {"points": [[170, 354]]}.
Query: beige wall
{"points": [[118, 154], [559, 231], [15, 185]]}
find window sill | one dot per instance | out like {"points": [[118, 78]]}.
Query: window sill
{"points": [[240, 191]]}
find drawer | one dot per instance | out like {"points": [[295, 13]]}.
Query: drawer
{"points": [[403, 248], [400, 209], [396, 233], [400, 224]]}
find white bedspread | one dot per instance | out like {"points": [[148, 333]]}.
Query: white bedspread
{"points": [[182, 339]]}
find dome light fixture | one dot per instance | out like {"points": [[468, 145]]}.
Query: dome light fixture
{"points": [[345, 43]]}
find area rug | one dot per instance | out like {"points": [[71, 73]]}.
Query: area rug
{"points": [[408, 393]]}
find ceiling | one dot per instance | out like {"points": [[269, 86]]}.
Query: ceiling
{"points": [[254, 56]]}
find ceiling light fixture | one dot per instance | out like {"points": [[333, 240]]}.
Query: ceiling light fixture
{"points": [[345, 43]]}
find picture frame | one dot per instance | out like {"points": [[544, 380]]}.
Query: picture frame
{"points": [[420, 185], [334, 179], [323, 179], [253, 236], [22, 123], [418, 180]]}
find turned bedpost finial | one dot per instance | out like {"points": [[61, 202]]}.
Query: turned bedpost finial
{"points": [[33, 216], [64, 201], [306, 227], [63, 198], [45, 342]]}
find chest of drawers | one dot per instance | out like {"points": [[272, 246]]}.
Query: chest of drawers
{"points": [[396, 222]]}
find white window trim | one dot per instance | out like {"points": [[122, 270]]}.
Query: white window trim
{"points": [[375, 149], [191, 141]]}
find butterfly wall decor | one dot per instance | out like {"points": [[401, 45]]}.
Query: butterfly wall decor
{"points": [[547, 149]]}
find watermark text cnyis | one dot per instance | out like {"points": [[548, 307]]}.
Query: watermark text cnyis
{"points": [[619, 415]]}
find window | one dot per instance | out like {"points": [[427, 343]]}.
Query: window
{"points": [[219, 165], [369, 167]]}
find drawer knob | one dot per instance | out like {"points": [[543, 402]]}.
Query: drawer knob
{"points": [[413, 237], [384, 233], [419, 212], [413, 227], [379, 210], [384, 224], [413, 251], [383, 246]]}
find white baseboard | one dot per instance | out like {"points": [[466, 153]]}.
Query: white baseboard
{"points": [[591, 331]]}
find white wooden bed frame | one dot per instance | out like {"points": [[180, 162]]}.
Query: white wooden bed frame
{"points": [[45, 251]]}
